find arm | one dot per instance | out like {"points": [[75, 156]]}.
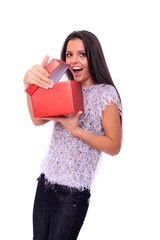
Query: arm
{"points": [[110, 143], [39, 76]]}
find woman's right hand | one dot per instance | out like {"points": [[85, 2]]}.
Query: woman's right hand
{"points": [[38, 76]]}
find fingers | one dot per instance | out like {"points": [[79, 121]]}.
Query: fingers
{"points": [[45, 61], [40, 70], [39, 76], [78, 114], [51, 119], [40, 82]]}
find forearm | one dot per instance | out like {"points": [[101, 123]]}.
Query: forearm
{"points": [[38, 76], [102, 143]]}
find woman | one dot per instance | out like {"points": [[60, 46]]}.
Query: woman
{"points": [[63, 191]]}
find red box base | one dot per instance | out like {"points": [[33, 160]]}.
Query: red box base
{"points": [[64, 98]]}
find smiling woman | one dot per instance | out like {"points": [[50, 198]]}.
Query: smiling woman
{"points": [[68, 170], [77, 60]]}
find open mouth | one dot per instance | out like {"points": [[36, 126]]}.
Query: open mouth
{"points": [[77, 69]]}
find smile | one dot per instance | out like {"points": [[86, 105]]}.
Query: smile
{"points": [[77, 69]]}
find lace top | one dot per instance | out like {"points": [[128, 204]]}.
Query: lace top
{"points": [[70, 160]]}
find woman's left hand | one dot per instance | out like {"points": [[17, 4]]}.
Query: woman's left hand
{"points": [[69, 123]]}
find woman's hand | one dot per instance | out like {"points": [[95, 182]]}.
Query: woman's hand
{"points": [[110, 143], [38, 76], [69, 123]]}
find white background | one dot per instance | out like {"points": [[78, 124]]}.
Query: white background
{"points": [[125, 201]]}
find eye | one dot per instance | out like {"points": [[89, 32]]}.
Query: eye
{"points": [[68, 54], [83, 54]]}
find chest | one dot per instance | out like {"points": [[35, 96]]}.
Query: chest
{"points": [[90, 119]]}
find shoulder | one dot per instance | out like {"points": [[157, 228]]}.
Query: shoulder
{"points": [[102, 95], [104, 88], [108, 95], [107, 88], [108, 92]]}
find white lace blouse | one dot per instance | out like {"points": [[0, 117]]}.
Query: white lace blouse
{"points": [[70, 161]]}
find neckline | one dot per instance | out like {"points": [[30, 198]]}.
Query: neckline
{"points": [[89, 85]]}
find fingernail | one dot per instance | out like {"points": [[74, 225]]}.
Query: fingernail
{"points": [[51, 82], [51, 86]]}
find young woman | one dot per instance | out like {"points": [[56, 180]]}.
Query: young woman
{"points": [[67, 172]]}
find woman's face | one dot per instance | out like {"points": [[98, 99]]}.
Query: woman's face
{"points": [[77, 60]]}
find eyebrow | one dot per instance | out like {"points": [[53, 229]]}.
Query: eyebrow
{"points": [[78, 51]]}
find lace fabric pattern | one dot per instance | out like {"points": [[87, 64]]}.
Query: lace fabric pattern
{"points": [[70, 161]]}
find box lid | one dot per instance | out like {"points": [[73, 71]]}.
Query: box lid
{"points": [[56, 68]]}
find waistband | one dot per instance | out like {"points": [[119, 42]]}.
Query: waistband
{"points": [[63, 188]]}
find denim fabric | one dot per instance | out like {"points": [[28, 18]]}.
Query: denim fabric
{"points": [[58, 212]]}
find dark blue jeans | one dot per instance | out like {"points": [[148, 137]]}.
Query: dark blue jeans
{"points": [[59, 212]]}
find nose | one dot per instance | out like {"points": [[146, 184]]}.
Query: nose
{"points": [[74, 59]]}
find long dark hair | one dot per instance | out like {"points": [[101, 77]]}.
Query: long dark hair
{"points": [[97, 64], [96, 61]]}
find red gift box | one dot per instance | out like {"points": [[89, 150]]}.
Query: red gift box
{"points": [[64, 98]]}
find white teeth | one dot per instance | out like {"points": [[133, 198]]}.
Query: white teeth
{"points": [[77, 68]]}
